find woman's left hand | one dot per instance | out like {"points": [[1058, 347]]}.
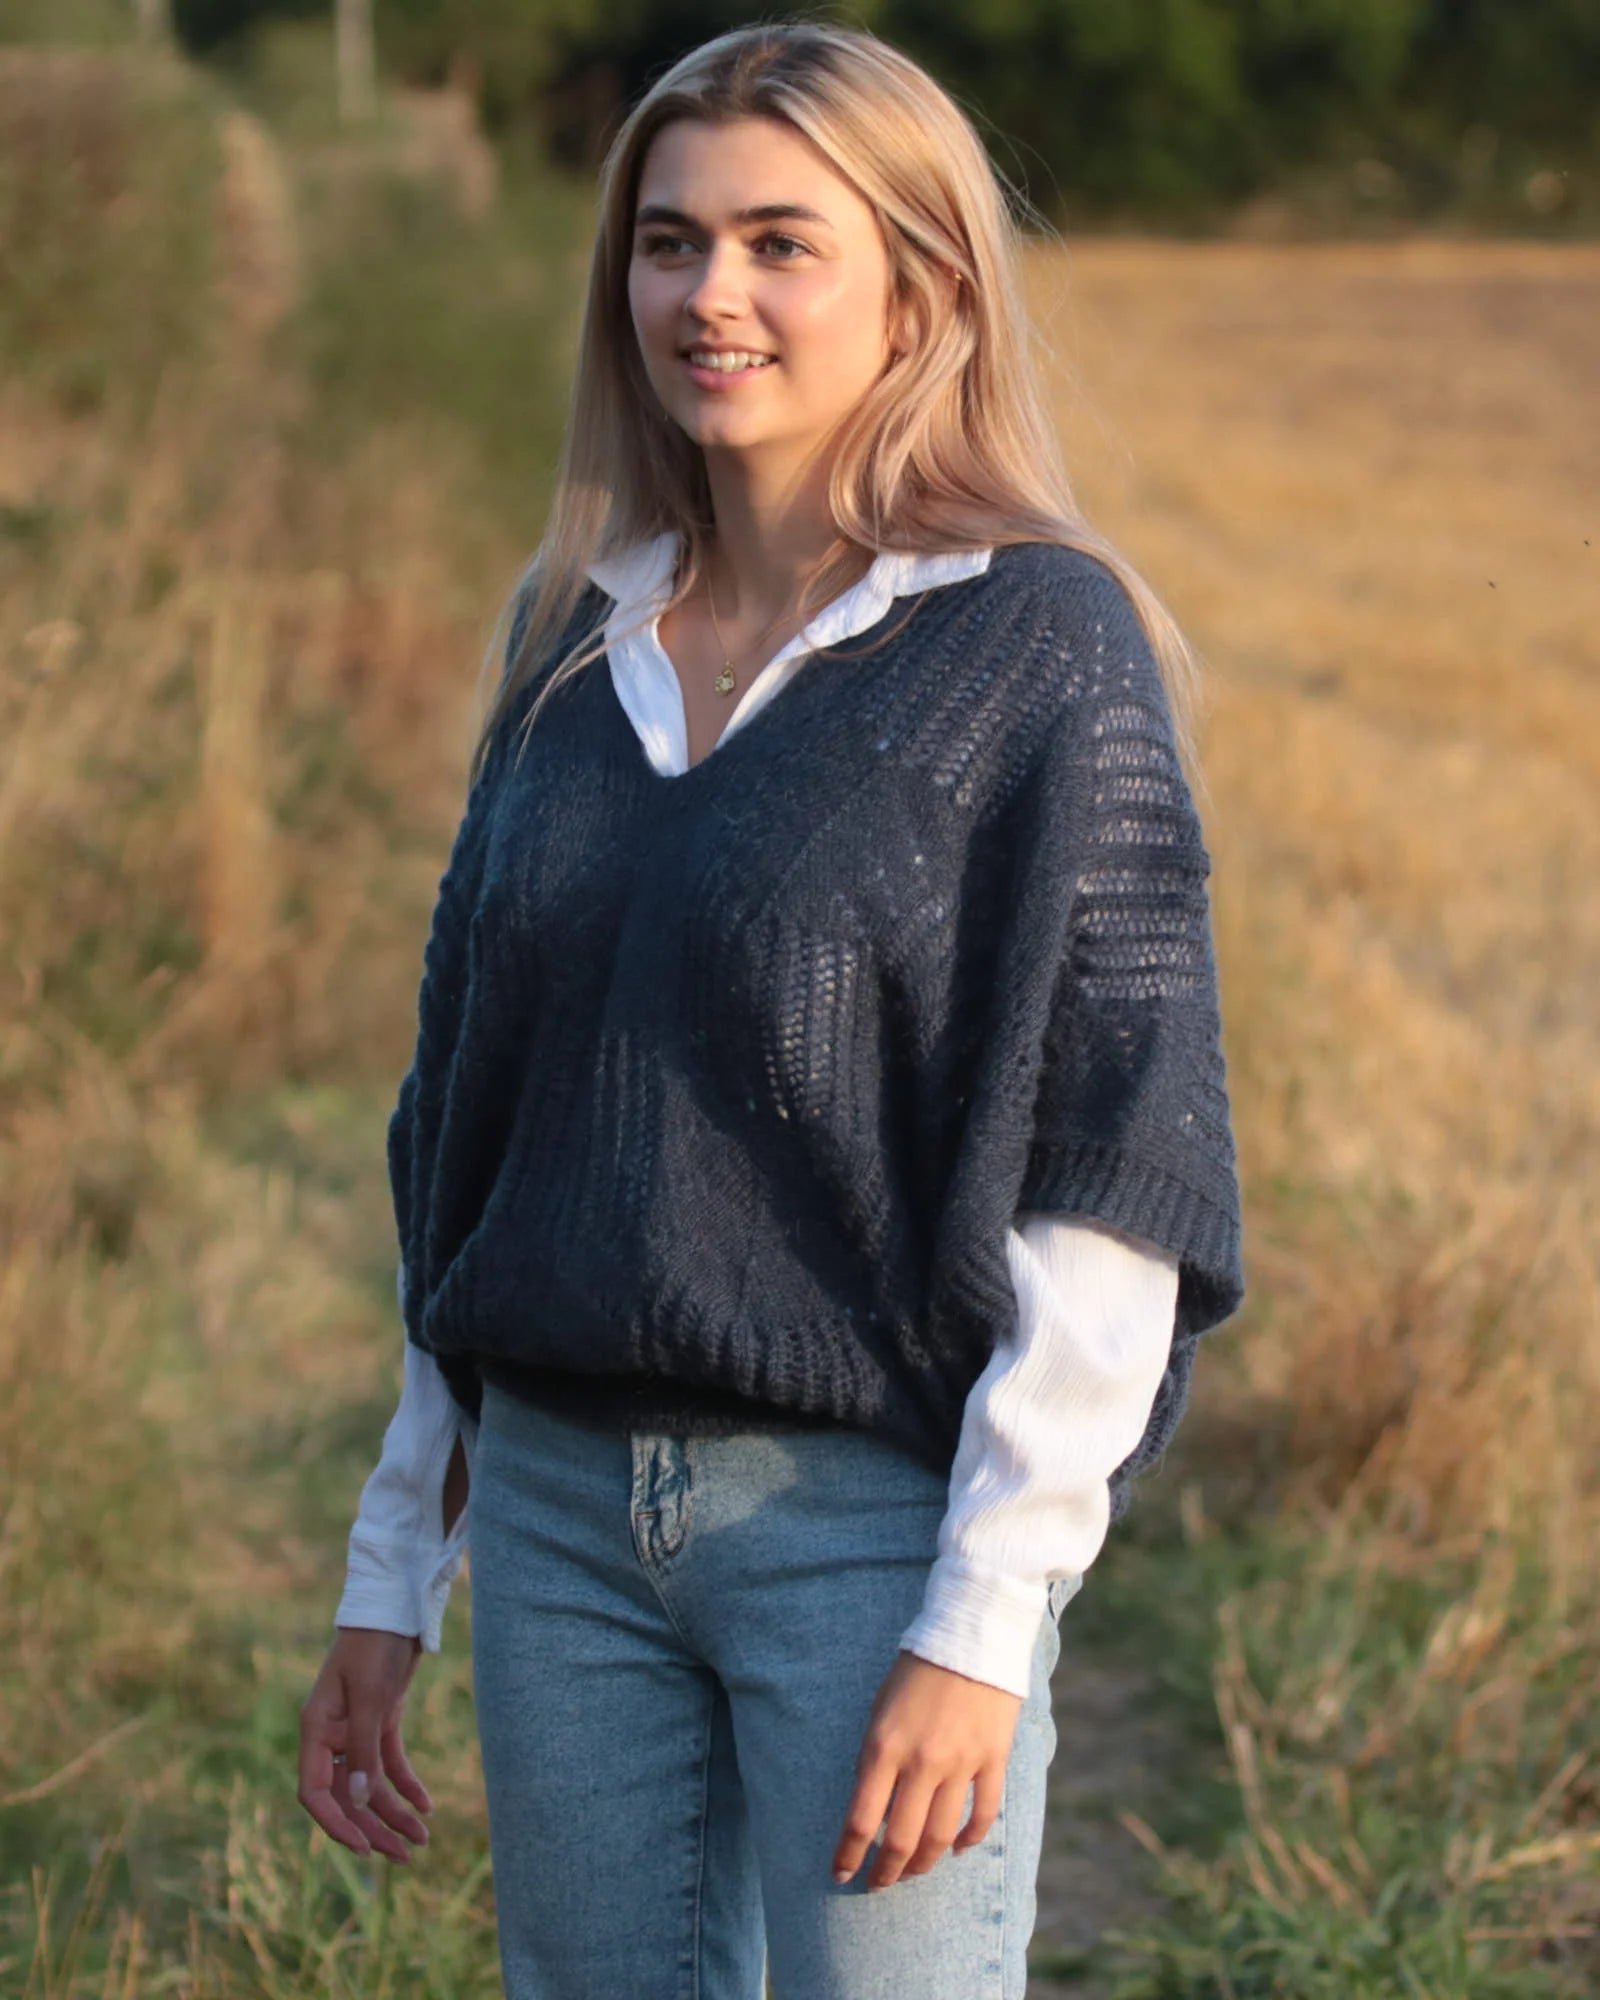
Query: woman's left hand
{"points": [[932, 1732]]}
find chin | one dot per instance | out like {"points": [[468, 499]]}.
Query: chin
{"points": [[722, 430]]}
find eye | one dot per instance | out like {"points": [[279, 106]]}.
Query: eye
{"points": [[650, 245]]}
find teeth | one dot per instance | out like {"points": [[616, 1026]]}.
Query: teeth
{"points": [[730, 363]]}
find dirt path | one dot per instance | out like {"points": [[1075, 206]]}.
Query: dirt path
{"points": [[1111, 1748]]}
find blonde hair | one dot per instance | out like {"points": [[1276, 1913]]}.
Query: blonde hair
{"points": [[951, 448]]}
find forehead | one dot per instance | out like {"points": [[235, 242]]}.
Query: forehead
{"points": [[712, 171]]}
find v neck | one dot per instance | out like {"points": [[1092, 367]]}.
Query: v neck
{"points": [[750, 699], [728, 741], [645, 684]]}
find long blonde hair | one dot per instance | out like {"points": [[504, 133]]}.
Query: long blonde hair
{"points": [[951, 449]]}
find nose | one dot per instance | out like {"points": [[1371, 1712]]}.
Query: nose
{"points": [[719, 291]]}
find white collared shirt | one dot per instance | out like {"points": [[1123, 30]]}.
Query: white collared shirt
{"points": [[1063, 1399]]}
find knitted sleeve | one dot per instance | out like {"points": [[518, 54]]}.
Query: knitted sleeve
{"points": [[414, 1125], [1131, 1117]]}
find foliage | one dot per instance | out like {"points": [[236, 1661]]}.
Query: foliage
{"points": [[1363, 111]]}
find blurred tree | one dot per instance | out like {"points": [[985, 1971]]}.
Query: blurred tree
{"points": [[512, 47], [1315, 70], [1532, 69], [1098, 106], [355, 60], [1175, 108], [603, 65], [205, 26]]}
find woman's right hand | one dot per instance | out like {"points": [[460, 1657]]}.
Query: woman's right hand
{"points": [[350, 1727]]}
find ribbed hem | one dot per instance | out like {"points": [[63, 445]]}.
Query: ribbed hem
{"points": [[1201, 1226], [635, 1403]]}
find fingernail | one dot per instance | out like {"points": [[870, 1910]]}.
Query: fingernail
{"points": [[358, 1788], [841, 1874]]}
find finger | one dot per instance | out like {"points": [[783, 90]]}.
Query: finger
{"points": [[988, 1789], [908, 1815], [386, 1803], [946, 1809], [375, 1806], [874, 1784], [316, 1792], [398, 1766], [352, 1788]]}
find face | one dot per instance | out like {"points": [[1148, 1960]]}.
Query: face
{"points": [[805, 284]]}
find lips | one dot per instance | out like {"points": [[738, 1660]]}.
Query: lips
{"points": [[710, 376]]}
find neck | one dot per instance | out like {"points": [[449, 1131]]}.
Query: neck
{"points": [[771, 534]]}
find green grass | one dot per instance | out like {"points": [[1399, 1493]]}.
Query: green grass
{"points": [[1394, 1719]]}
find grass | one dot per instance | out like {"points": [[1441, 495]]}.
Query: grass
{"points": [[246, 577], [1365, 478]]}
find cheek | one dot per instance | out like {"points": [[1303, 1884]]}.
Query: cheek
{"points": [[841, 326], [645, 303]]}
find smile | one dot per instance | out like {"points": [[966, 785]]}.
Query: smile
{"points": [[724, 370]]}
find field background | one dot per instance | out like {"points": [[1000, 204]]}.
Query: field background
{"points": [[276, 410]]}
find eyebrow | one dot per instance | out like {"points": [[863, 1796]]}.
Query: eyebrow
{"points": [[770, 211]]}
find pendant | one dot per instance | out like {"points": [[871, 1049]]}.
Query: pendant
{"points": [[724, 681]]}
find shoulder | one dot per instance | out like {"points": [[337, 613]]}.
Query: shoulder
{"points": [[1071, 586], [522, 677], [1050, 602], [587, 611], [1074, 635], [528, 672]]}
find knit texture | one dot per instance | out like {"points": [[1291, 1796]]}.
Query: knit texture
{"points": [[728, 1086]]}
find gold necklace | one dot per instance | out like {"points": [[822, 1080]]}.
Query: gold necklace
{"points": [[724, 682]]}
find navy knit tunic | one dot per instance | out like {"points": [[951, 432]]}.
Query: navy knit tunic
{"points": [[728, 1085]]}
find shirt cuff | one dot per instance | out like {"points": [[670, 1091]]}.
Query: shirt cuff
{"points": [[398, 1587], [979, 1623]]}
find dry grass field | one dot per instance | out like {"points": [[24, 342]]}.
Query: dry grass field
{"points": [[1368, 482], [235, 678]]}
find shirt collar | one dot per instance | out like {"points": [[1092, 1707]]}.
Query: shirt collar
{"points": [[642, 574]]}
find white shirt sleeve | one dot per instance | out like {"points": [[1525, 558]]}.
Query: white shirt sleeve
{"points": [[401, 1562], [1061, 1403]]}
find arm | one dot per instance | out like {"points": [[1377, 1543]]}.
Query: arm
{"points": [[410, 1533], [405, 1548], [1060, 1405], [411, 1529], [442, 1000], [1130, 1130], [1043, 1428], [1130, 1118]]}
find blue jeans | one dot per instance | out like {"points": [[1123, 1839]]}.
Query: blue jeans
{"points": [[676, 1646]]}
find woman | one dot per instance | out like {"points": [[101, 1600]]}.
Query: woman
{"points": [[815, 1171]]}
